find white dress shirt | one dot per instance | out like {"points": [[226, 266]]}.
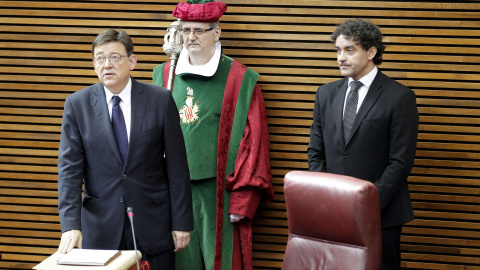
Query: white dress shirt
{"points": [[363, 90], [125, 104]]}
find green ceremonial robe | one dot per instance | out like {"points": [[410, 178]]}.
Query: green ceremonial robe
{"points": [[239, 132]]}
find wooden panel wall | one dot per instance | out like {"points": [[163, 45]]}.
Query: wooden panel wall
{"points": [[432, 47]]}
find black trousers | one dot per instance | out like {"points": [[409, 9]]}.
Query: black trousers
{"points": [[391, 248], [164, 260]]}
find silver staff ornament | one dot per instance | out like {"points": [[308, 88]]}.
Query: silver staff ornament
{"points": [[172, 46]]}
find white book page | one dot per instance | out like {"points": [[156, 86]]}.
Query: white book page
{"points": [[88, 257]]}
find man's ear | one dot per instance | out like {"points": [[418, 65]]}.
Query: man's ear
{"points": [[132, 61], [371, 52], [218, 32]]}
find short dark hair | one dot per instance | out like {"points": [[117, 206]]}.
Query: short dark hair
{"points": [[114, 35], [365, 32]]}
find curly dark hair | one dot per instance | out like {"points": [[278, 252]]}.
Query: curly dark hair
{"points": [[365, 32]]}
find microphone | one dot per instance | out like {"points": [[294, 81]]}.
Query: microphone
{"points": [[130, 216]]}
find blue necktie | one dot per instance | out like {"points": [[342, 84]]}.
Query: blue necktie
{"points": [[350, 110], [119, 127]]}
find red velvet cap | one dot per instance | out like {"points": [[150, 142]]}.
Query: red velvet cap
{"points": [[200, 12]]}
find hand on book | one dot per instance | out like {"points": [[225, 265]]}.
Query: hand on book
{"points": [[180, 239], [69, 240]]}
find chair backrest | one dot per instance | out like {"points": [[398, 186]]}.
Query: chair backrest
{"points": [[333, 222]]}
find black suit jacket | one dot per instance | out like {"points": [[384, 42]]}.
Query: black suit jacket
{"points": [[383, 143], [157, 188]]}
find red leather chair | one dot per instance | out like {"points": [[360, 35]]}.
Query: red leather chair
{"points": [[333, 222]]}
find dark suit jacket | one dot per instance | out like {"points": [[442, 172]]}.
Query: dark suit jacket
{"points": [[157, 188], [383, 143]]}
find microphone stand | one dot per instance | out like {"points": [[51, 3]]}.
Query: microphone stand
{"points": [[130, 217], [172, 46]]}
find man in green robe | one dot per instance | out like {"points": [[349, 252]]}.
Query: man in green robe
{"points": [[224, 124]]}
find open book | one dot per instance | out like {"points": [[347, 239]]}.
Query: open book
{"points": [[88, 257]]}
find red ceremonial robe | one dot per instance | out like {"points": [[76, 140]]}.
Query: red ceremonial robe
{"points": [[250, 181]]}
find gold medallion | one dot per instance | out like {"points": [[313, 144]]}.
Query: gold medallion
{"points": [[189, 111]]}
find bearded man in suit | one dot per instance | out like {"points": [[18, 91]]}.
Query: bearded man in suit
{"points": [[366, 125], [122, 140]]}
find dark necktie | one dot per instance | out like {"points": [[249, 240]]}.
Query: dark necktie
{"points": [[119, 127], [350, 110]]}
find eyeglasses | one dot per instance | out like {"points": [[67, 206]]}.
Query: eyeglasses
{"points": [[197, 32], [114, 59]]}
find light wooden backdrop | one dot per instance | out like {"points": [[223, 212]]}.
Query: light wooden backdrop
{"points": [[432, 46]]}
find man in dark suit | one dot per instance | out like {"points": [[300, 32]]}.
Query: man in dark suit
{"points": [[122, 139], [366, 126]]}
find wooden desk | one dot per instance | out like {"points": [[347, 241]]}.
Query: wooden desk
{"points": [[125, 261]]}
